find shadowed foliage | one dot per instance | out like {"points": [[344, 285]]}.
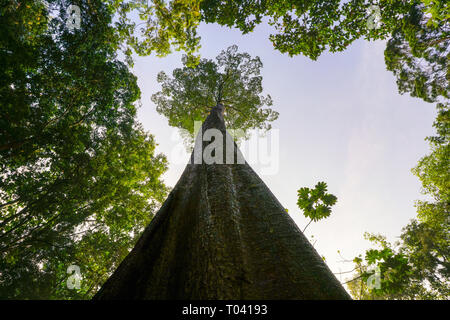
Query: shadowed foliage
{"points": [[221, 234]]}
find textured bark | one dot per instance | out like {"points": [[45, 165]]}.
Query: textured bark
{"points": [[222, 234]]}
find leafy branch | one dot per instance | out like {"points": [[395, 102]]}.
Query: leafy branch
{"points": [[315, 203]]}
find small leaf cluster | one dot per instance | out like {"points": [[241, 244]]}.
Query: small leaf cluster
{"points": [[316, 203]]}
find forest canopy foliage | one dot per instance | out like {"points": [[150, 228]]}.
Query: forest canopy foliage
{"points": [[79, 176]]}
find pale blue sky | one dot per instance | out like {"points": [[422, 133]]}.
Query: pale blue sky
{"points": [[341, 121]]}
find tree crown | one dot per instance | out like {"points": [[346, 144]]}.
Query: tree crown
{"points": [[233, 80]]}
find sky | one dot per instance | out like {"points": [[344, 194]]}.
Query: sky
{"points": [[341, 121]]}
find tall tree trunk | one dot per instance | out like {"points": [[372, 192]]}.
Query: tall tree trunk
{"points": [[222, 234]]}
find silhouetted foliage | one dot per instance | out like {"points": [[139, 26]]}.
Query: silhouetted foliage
{"points": [[79, 177]]}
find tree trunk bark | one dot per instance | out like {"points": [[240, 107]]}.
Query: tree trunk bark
{"points": [[222, 234]]}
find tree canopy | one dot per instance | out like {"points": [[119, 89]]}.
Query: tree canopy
{"points": [[164, 26], [417, 33], [79, 176], [233, 80], [417, 267]]}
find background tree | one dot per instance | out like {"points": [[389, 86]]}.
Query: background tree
{"points": [[417, 54], [79, 177], [233, 80], [417, 267]]}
